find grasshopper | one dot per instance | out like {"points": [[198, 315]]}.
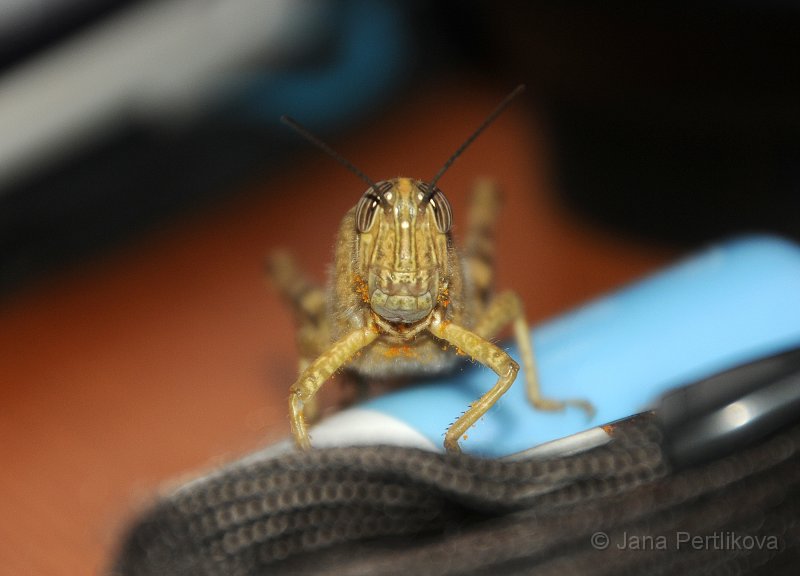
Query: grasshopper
{"points": [[402, 301]]}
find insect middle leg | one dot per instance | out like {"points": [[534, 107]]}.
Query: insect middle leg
{"points": [[495, 312], [507, 308]]}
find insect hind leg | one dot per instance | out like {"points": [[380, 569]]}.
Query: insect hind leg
{"points": [[478, 253], [307, 301]]}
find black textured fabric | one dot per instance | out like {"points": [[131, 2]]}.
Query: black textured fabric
{"points": [[386, 510]]}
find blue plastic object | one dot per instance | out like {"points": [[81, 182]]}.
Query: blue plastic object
{"points": [[730, 304]]}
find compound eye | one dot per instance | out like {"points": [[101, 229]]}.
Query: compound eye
{"points": [[366, 210], [441, 211]]}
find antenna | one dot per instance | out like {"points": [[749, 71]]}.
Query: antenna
{"points": [[316, 141], [484, 125]]}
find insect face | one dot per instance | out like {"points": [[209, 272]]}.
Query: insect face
{"points": [[403, 248]]}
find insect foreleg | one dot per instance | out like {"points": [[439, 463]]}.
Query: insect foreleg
{"points": [[487, 354], [507, 308], [312, 378], [308, 304]]}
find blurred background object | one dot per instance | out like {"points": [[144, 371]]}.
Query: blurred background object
{"points": [[152, 107], [674, 124]]}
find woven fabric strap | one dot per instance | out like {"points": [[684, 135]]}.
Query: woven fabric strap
{"points": [[617, 508]]}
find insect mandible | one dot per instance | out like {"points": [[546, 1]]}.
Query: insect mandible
{"points": [[402, 301]]}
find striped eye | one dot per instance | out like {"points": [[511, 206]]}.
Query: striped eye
{"points": [[441, 208], [442, 211], [365, 211], [369, 203]]}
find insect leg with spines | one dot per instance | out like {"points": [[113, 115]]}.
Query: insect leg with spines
{"points": [[493, 312]]}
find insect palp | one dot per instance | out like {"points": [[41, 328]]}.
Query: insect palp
{"points": [[316, 141], [484, 125]]}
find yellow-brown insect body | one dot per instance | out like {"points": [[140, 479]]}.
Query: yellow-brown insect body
{"points": [[398, 303], [395, 265]]}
